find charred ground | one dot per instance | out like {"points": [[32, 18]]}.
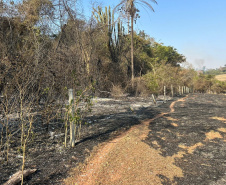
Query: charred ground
{"points": [[194, 134]]}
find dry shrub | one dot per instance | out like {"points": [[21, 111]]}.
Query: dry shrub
{"points": [[117, 91], [140, 88], [218, 87]]}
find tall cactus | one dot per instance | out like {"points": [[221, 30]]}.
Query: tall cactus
{"points": [[115, 31]]}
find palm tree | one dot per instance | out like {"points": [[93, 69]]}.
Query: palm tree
{"points": [[129, 7]]}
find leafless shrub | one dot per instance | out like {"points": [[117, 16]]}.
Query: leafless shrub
{"points": [[117, 91]]}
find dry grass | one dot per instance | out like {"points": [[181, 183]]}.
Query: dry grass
{"points": [[219, 118], [174, 124], [221, 77], [191, 149], [171, 119], [222, 130], [213, 135]]}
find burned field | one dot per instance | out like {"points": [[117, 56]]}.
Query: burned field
{"points": [[195, 137], [46, 152], [192, 138]]}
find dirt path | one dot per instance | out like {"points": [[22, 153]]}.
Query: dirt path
{"points": [[129, 160]]}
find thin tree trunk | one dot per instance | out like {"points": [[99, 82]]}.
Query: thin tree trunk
{"points": [[132, 62], [72, 124], [128, 23], [172, 90], [164, 94]]}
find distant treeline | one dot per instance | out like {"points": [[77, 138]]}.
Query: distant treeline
{"points": [[218, 71]]}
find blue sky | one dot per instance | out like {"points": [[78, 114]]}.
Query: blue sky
{"points": [[196, 28]]}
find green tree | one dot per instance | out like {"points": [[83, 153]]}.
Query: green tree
{"points": [[142, 54], [130, 9], [168, 54]]}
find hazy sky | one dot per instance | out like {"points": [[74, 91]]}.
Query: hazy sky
{"points": [[196, 28]]}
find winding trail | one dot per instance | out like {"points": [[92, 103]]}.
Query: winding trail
{"points": [[129, 160]]}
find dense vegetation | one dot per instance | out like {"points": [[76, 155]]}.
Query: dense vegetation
{"points": [[218, 71], [48, 47]]}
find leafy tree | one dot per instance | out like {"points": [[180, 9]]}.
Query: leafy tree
{"points": [[168, 54], [164, 75], [143, 54]]}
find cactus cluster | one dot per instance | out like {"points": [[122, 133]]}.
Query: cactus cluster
{"points": [[114, 28]]}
